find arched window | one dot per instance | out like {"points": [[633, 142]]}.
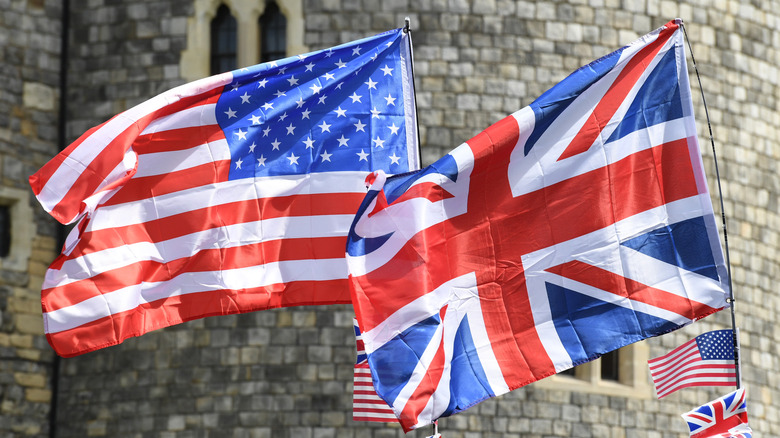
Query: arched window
{"points": [[223, 41], [273, 33]]}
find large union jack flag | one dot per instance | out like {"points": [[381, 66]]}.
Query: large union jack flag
{"points": [[573, 227], [725, 417]]}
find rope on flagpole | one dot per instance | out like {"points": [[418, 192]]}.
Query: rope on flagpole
{"points": [[731, 300], [408, 31]]}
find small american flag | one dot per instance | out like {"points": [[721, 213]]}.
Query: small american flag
{"points": [[366, 404], [706, 360], [229, 194]]}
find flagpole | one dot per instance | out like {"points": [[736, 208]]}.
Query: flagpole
{"points": [[408, 30], [731, 300]]}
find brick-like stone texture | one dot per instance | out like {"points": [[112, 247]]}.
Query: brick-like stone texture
{"points": [[287, 373]]}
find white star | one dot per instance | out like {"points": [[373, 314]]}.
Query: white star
{"points": [[292, 80], [325, 156], [291, 129], [279, 93], [272, 63], [341, 64], [266, 131], [325, 127], [293, 159], [363, 156], [252, 147], [305, 114], [300, 102], [238, 163], [371, 84], [375, 113], [309, 143], [255, 120], [340, 112], [322, 99], [282, 70], [395, 159], [329, 53], [262, 83], [356, 50], [309, 66], [261, 161], [355, 97], [394, 129], [275, 144], [235, 86], [374, 56], [268, 105], [390, 99], [379, 142], [245, 97], [230, 113], [338, 87], [342, 141], [241, 134], [315, 88], [301, 57], [329, 76], [282, 117], [359, 126], [387, 70]]}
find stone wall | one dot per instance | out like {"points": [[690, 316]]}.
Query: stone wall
{"points": [[29, 98], [287, 372]]}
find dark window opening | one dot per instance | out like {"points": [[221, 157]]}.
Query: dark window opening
{"points": [[610, 366], [223, 41], [5, 230], [273, 33]]}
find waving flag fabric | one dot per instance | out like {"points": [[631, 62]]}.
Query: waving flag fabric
{"points": [[229, 194], [366, 404], [725, 417], [707, 360], [574, 227]]}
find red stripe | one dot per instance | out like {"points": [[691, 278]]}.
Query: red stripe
{"points": [[177, 139], [627, 288], [607, 107], [665, 392], [217, 259], [193, 221], [174, 310], [137, 189]]}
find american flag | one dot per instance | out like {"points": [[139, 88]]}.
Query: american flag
{"points": [[725, 417], [706, 360], [573, 227], [366, 404], [229, 194]]}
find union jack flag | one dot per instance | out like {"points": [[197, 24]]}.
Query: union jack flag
{"points": [[571, 228], [725, 417]]}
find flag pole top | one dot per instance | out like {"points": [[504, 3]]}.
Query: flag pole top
{"points": [[407, 24]]}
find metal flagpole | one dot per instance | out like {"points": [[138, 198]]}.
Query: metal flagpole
{"points": [[731, 300], [408, 30]]}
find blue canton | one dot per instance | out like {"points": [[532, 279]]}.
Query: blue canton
{"points": [[339, 109], [716, 345]]}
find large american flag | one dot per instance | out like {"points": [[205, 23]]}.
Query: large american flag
{"points": [[574, 227], [229, 194], [706, 360]]}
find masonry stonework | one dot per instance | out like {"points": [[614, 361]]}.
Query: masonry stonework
{"points": [[288, 372]]}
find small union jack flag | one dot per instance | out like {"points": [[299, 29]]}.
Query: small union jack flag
{"points": [[725, 417]]}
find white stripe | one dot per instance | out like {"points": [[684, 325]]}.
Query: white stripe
{"points": [[187, 118], [671, 364], [694, 369], [706, 381], [161, 163], [80, 158], [378, 415], [130, 297], [225, 193], [290, 227]]}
